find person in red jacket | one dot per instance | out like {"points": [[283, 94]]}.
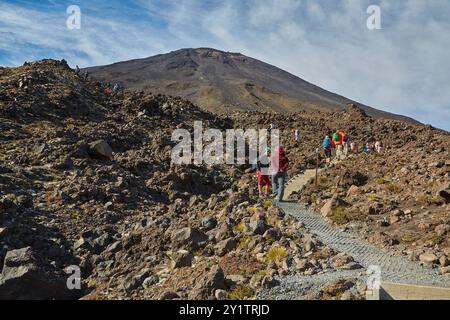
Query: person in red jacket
{"points": [[279, 164], [345, 144]]}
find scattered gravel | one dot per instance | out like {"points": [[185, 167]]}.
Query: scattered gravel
{"points": [[297, 287]]}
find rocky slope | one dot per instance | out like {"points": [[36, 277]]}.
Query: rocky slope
{"points": [[399, 199], [86, 180], [225, 82]]}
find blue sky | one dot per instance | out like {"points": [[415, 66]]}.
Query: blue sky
{"points": [[402, 68]]}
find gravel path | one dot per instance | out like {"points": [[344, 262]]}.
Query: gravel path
{"points": [[296, 183], [296, 287], [393, 268]]}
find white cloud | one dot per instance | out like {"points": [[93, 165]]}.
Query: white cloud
{"points": [[99, 41], [403, 68]]}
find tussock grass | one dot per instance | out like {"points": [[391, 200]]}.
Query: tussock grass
{"points": [[276, 254], [242, 292], [267, 204], [409, 238], [373, 198], [436, 240], [339, 216], [423, 198], [244, 242], [393, 187], [240, 228]]}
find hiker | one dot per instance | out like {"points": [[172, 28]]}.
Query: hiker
{"points": [[367, 148], [353, 147], [77, 70], [329, 132], [21, 83], [337, 140], [262, 173], [297, 135], [116, 88], [327, 148], [279, 165], [86, 75], [345, 146], [379, 146], [24, 82]]}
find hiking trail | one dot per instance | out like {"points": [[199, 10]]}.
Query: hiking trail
{"points": [[394, 268]]}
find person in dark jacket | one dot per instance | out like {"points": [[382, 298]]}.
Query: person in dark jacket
{"points": [[279, 165], [262, 172]]}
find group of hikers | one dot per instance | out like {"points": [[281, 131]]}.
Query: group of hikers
{"points": [[109, 88], [343, 143], [85, 75], [377, 147], [112, 89], [340, 141], [271, 168]]}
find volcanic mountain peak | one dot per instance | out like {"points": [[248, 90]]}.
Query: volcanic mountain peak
{"points": [[222, 82]]}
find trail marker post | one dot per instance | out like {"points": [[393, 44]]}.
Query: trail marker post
{"points": [[317, 167]]}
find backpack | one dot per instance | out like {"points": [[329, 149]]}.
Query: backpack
{"points": [[345, 137], [326, 144], [336, 136]]}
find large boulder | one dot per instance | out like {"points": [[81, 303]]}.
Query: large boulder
{"points": [[26, 276], [341, 260], [181, 259], [330, 205], [445, 194], [100, 149], [428, 258], [225, 246], [338, 286], [352, 178], [258, 224], [353, 190], [188, 238], [209, 223], [355, 113], [206, 285], [6, 206], [92, 242], [258, 227]]}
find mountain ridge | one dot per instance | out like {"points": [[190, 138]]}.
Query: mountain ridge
{"points": [[222, 82]]}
